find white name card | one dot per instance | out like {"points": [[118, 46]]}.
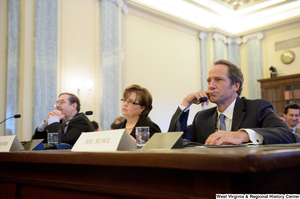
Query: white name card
{"points": [[10, 143], [104, 141]]}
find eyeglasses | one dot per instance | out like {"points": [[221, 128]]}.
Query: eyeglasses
{"points": [[129, 102], [59, 102]]}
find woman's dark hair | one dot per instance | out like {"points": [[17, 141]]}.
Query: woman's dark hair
{"points": [[143, 96]]}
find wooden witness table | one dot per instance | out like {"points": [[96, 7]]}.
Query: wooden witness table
{"points": [[176, 173]]}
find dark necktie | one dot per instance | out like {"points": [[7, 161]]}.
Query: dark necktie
{"points": [[222, 122], [63, 127]]}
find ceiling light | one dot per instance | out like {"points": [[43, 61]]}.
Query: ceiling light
{"points": [[237, 3]]}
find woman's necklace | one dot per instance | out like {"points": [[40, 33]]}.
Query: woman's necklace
{"points": [[132, 121], [128, 127]]}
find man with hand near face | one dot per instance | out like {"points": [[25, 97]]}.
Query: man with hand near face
{"points": [[234, 120], [67, 111]]}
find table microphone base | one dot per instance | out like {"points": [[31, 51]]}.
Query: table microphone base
{"points": [[63, 146]]}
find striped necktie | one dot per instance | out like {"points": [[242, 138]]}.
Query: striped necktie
{"points": [[222, 122]]}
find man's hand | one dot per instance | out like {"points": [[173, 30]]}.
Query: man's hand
{"points": [[195, 96], [226, 138], [55, 113]]}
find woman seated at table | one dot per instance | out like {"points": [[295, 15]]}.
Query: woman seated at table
{"points": [[136, 105]]}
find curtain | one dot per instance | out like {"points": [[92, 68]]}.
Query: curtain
{"points": [[255, 67], [13, 66], [219, 47], [203, 63], [234, 54], [112, 57], [45, 60]]}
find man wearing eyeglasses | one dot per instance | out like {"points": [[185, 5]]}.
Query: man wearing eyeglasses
{"points": [[66, 118]]}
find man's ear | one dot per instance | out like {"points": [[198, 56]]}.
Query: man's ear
{"points": [[74, 106], [236, 86]]}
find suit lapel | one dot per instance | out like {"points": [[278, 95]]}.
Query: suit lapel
{"points": [[211, 123], [77, 114], [238, 114], [296, 131]]}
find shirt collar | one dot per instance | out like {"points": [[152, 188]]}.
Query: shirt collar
{"points": [[229, 111], [70, 118], [294, 128]]}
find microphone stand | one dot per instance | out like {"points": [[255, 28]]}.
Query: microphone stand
{"points": [[62, 145], [66, 145], [202, 99], [15, 116], [183, 142]]}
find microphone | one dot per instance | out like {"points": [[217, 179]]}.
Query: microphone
{"points": [[65, 145], [89, 113], [15, 116], [202, 99]]}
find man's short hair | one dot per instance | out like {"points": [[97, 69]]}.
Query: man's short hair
{"points": [[120, 119], [234, 73], [95, 124], [72, 99], [280, 114], [112, 126], [291, 106]]}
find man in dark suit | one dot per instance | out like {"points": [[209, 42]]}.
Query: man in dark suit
{"points": [[66, 113], [291, 114], [234, 120]]}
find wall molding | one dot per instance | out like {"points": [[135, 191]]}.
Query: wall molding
{"points": [[237, 40], [120, 4], [202, 35], [219, 36], [258, 35]]}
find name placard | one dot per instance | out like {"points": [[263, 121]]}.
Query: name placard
{"points": [[35, 144], [10, 143], [112, 140], [163, 141]]}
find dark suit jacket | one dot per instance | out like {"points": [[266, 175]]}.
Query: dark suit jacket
{"points": [[257, 115], [78, 124], [296, 131], [143, 121], [297, 136]]}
